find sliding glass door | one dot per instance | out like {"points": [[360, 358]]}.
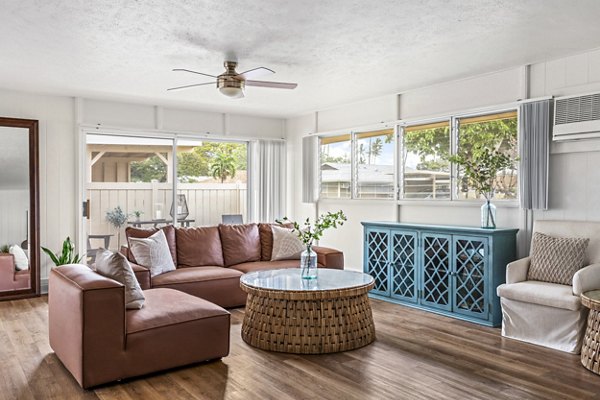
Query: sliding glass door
{"points": [[149, 182]]}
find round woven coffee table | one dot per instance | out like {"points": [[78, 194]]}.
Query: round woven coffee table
{"points": [[590, 352], [307, 316]]}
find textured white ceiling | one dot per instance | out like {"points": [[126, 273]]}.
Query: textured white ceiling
{"points": [[337, 51]]}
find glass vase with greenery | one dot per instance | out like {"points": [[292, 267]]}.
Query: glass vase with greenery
{"points": [[310, 232], [67, 254], [118, 219], [481, 170]]}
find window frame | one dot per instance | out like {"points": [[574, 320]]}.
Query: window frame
{"points": [[399, 127], [353, 160]]}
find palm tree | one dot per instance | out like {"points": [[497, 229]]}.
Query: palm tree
{"points": [[223, 166]]}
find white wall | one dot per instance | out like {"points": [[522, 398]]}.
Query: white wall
{"points": [[574, 176]]}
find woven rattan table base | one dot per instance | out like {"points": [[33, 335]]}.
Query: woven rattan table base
{"points": [[308, 322], [590, 352]]}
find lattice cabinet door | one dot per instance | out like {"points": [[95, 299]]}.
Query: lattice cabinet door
{"points": [[377, 259], [436, 271], [404, 263], [470, 275]]}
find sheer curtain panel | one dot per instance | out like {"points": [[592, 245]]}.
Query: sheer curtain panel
{"points": [[534, 150], [310, 169], [270, 184]]}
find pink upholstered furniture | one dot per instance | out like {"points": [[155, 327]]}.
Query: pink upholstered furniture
{"points": [[99, 341], [211, 260], [10, 278]]}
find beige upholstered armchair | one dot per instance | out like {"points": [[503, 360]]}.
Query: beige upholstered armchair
{"points": [[551, 314]]}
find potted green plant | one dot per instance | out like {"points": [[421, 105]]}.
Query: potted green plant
{"points": [[137, 214], [4, 249], [481, 170], [309, 233], [67, 254], [118, 219]]}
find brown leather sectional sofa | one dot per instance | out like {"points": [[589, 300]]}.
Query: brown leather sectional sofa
{"points": [[210, 260], [98, 340]]}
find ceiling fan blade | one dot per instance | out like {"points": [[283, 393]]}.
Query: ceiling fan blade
{"points": [[193, 72], [189, 86], [274, 85], [255, 73]]}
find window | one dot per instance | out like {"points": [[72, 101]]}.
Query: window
{"points": [[375, 164], [336, 167], [425, 166], [496, 132]]}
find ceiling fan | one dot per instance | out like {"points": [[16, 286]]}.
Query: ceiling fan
{"points": [[232, 84]]}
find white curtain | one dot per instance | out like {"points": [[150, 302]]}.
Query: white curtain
{"points": [[310, 169], [268, 183], [534, 149]]}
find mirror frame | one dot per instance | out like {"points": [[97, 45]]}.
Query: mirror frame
{"points": [[32, 126]]}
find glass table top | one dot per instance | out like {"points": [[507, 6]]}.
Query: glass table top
{"points": [[289, 279]]}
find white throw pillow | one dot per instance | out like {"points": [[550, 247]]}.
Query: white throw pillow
{"points": [[153, 253], [21, 260], [115, 266], [286, 244]]}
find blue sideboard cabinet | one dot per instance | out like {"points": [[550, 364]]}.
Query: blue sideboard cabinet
{"points": [[450, 270]]}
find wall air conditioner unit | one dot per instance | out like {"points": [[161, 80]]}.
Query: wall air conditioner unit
{"points": [[577, 117]]}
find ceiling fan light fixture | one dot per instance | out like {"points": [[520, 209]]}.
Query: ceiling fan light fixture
{"points": [[230, 86], [233, 92]]}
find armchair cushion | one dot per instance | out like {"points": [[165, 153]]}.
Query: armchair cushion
{"points": [[556, 259], [541, 293], [21, 260]]}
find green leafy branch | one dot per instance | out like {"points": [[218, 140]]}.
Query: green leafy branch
{"points": [[482, 168]]}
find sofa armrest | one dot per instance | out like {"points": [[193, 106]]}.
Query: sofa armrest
{"points": [[329, 258], [86, 321], [586, 279], [516, 271]]}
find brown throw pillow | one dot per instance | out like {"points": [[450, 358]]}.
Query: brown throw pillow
{"points": [[115, 266], [556, 259], [169, 231], [199, 247], [241, 243]]}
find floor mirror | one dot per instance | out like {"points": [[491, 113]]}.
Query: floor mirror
{"points": [[19, 209]]}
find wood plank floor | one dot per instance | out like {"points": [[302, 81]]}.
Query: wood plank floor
{"points": [[417, 355]]}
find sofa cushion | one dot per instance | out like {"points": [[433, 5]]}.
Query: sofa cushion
{"points": [[169, 307], [556, 259], [168, 230], [216, 284], [153, 253], [241, 243], [286, 244], [261, 265], [199, 246], [542, 293], [266, 239], [115, 266]]}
